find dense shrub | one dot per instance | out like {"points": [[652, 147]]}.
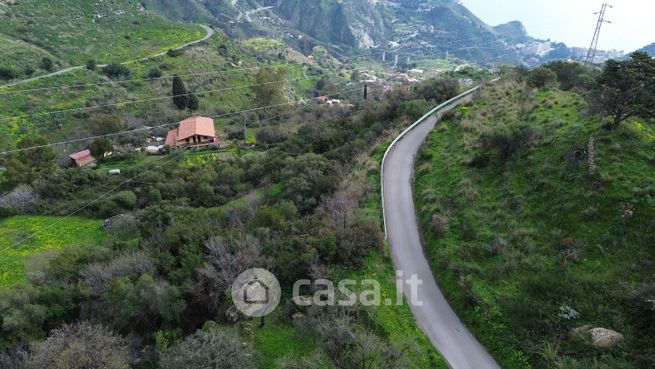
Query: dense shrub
{"points": [[212, 348], [154, 73], [438, 90], [643, 306], [7, 73], [508, 140], [571, 75], [21, 200], [174, 53], [81, 346], [270, 135], [46, 64], [541, 77], [117, 71], [91, 64]]}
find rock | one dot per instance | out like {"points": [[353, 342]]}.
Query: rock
{"points": [[581, 331], [232, 314], [303, 301], [297, 316], [605, 338]]}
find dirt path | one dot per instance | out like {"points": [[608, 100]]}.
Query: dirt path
{"points": [[209, 33]]}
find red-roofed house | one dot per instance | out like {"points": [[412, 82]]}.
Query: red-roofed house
{"points": [[83, 158], [194, 132]]}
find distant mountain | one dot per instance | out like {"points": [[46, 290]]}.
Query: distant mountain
{"points": [[513, 32], [650, 49], [435, 28], [410, 28]]}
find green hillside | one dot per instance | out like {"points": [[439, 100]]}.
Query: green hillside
{"points": [[72, 32], [17, 247], [528, 240], [210, 70]]}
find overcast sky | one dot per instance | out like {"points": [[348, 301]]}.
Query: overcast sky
{"points": [[573, 21]]}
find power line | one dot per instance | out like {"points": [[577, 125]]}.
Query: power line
{"points": [[59, 221], [153, 127], [131, 102], [71, 86], [129, 180]]}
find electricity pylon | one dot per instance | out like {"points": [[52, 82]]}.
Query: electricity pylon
{"points": [[591, 54]]}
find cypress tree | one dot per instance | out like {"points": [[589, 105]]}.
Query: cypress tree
{"points": [[192, 103], [180, 93]]}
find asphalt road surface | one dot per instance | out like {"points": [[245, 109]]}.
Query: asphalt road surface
{"points": [[435, 316]]}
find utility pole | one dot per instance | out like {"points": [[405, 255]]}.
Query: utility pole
{"points": [[365, 91], [395, 63], [384, 56], [591, 54]]}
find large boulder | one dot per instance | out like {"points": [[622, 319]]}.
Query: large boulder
{"points": [[605, 338]]}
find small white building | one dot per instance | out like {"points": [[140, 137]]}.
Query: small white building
{"points": [[154, 149]]}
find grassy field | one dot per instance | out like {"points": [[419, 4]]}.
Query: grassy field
{"points": [[530, 245], [74, 32], [50, 233]]}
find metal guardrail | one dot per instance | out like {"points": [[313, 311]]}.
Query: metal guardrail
{"points": [[409, 129]]}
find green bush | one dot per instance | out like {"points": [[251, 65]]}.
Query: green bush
{"points": [[7, 73], [117, 71], [541, 78], [174, 53], [508, 140], [154, 73]]}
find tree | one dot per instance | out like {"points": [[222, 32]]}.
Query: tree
{"points": [[46, 64], [100, 146], [79, 346], [192, 104], [541, 77], [438, 89], [210, 348], [20, 200], [35, 160], [7, 73], [571, 75], [102, 124], [625, 89], [269, 87], [146, 305], [91, 64], [180, 93]]}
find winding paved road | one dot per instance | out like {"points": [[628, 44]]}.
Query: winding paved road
{"points": [[209, 33], [457, 345]]}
